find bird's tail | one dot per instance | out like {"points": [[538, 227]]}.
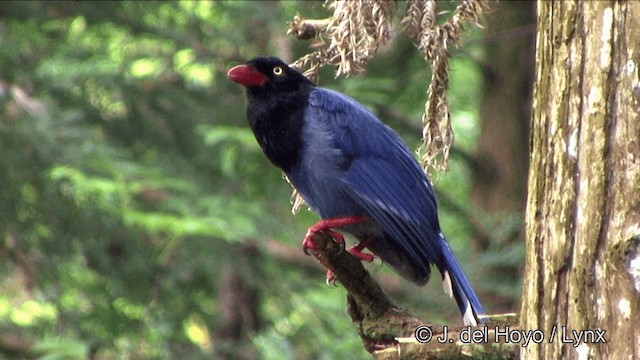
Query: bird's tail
{"points": [[456, 285]]}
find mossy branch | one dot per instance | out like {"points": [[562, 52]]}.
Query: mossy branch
{"points": [[388, 331]]}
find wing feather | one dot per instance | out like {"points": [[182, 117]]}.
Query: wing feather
{"points": [[383, 177], [394, 208]]}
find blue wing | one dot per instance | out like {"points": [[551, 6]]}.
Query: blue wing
{"points": [[380, 175]]}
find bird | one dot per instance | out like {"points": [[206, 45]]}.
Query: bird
{"points": [[354, 172]]}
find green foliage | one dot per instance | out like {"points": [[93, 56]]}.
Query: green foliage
{"points": [[61, 349], [131, 187]]}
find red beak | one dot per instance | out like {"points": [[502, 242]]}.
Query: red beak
{"points": [[246, 75]]}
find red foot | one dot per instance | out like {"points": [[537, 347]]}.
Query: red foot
{"points": [[331, 279], [357, 251], [324, 226]]}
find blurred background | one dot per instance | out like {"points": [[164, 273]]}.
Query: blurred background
{"points": [[139, 218]]}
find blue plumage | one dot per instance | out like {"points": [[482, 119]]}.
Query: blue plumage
{"points": [[346, 163]]}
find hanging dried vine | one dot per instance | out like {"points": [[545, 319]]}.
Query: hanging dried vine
{"points": [[434, 41], [355, 32]]}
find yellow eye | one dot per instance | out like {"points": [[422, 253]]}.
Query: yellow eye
{"points": [[277, 70]]}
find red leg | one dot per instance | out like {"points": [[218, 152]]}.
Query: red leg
{"points": [[357, 250], [324, 226]]}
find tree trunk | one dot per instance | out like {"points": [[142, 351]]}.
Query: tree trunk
{"points": [[583, 209]]}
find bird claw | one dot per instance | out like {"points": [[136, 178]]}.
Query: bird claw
{"points": [[308, 244], [324, 226], [331, 279]]}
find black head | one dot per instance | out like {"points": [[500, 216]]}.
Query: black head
{"points": [[278, 97], [268, 74]]}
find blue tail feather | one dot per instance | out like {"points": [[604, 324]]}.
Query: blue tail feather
{"points": [[460, 288]]}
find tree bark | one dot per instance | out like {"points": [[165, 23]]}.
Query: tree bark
{"points": [[583, 208]]}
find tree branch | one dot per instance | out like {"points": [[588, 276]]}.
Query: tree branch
{"points": [[388, 331], [305, 29]]}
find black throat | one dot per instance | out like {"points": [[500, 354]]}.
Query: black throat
{"points": [[277, 118]]}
